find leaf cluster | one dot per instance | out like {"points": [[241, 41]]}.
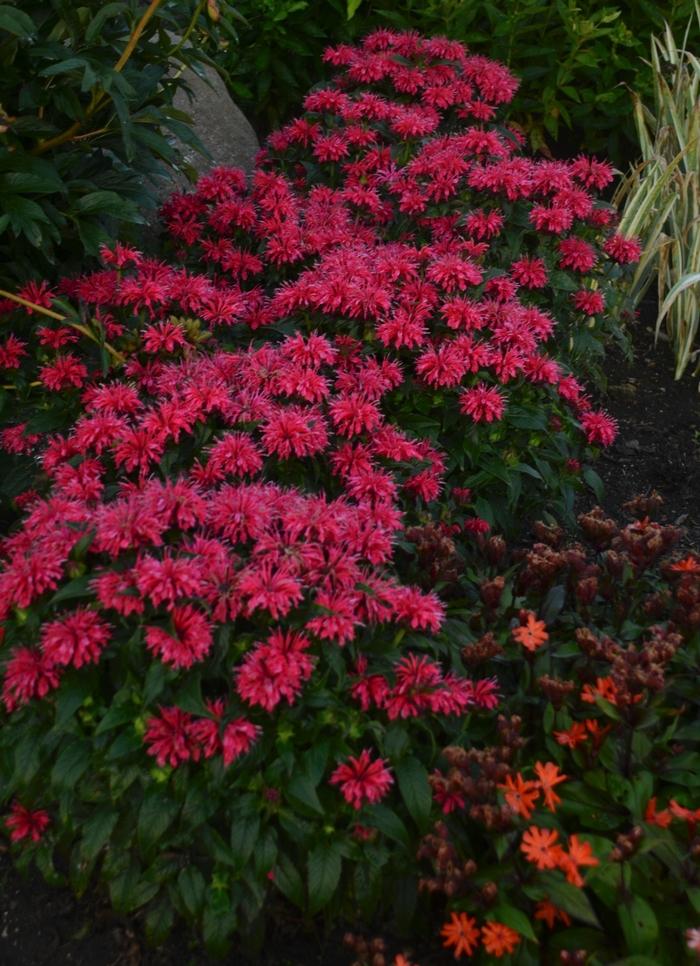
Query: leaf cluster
{"points": [[87, 122]]}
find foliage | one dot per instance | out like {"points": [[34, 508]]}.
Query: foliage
{"points": [[575, 58], [572, 817], [662, 194], [85, 113]]}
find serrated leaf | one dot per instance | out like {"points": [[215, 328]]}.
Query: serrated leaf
{"points": [[156, 814], [192, 889], [289, 881], [415, 790], [324, 868], [71, 764], [302, 792], [159, 920], [388, 823], [244, 835], [97, 830]]}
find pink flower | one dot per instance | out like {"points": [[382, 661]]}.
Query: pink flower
{"points": [[589, 302], [599, 427], [169, 737], [239, 736], [623, 250], [24, 823], [29, 674], [577, 254], [190, 641], [65, 372], [78, 638], [362, 780], [529, 272], [483, 403]]}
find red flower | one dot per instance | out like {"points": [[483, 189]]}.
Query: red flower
{"points": [[362, 780], [24, 823], [483, 403], [190, 641], [78, 638]]}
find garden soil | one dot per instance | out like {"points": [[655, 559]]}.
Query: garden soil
{"points": [[658, 448]]}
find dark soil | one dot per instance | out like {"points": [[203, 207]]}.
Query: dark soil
{"points": [[658, 448]]}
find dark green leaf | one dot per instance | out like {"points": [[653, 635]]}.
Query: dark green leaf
{"points": [[324, 867], [415, 789]]}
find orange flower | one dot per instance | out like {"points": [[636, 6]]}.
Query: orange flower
{"points": [[595, 731], [532, 635], [521, 795], [579, 854], [549, 776], [691, 565], [549, 913], [401, 960], [603, 688], [663, 819], [499, 939], [462, 933], [540, 846], [573, 737]]}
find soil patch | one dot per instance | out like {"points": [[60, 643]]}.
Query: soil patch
{"points": [[658, 446]]}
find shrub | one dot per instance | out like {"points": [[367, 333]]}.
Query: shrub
{"points": [[180, 644], [387, 261], [85, 110], [577, 61]]}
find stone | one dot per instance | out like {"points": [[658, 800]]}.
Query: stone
{"points": [[221, 126]]}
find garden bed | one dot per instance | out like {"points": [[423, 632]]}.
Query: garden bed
{"points": [[658, 448]]}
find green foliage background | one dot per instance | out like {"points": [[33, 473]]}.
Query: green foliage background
{"points": [[576, 58]]}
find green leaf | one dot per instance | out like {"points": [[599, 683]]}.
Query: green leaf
{"points": [[97, 830], [78, 587], [553, 603], [571, 900], [155, 815], [63, 66], [289, 881], [192, 888], [388, 823], [74, 688], [109, 10], [352, 8], [128, 891], [71, 764], [159, 920], [104, 202], [301, 791], [16, 21], [117, 714], [415, 790], [638, 924], [324, 867], [218, 922], [594, 481], [244, 835], [510, 916]]}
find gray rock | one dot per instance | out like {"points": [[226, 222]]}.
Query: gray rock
{"points": [[222, 127], [225, 133]]}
